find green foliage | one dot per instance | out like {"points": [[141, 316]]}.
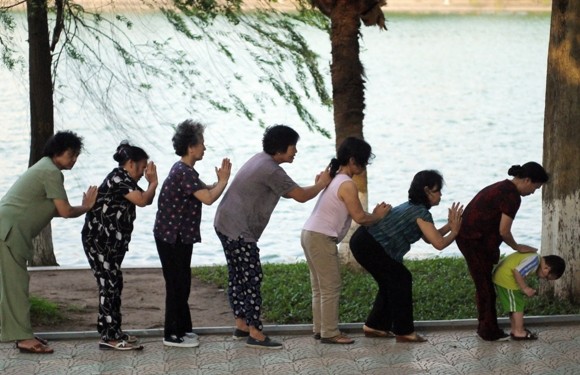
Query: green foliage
{"points": [[295, 298], [442, 290], [270, 38], [43, 312], [217, 275], [10, 59], [115, 66]]}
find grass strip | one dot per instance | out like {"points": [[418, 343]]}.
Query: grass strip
{"points": [[442, 290]]}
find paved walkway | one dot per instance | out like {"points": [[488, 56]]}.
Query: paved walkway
{"points": [[453, 350]]}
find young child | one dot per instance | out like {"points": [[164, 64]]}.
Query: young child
{"points": [[509, 279]]}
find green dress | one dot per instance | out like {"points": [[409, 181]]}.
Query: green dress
{"points": [[25, 210]]}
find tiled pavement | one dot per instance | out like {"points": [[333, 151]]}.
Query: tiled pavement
{"points": [[448, 351]]}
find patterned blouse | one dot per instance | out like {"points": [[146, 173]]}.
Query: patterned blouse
{"points": [[179, 211], [111, 218], [399, 229]]}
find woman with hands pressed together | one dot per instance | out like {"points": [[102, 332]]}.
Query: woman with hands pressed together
{"points": [[107, 233], [329, 222], [177, 227], [26, 208], [380, 249]]}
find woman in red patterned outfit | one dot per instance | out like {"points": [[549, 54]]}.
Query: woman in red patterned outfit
{"points": [[487, 222]]}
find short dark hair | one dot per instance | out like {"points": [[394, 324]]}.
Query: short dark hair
{"points": [[62, 141], [188, 133], [126, 152], [427, 178], [278, 138], [531, 170], [557, 265], [351, 147]]}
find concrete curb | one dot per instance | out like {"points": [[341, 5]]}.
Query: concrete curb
{"points": [[306, 329]]}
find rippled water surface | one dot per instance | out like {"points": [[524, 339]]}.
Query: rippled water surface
{"points": [[464, 95]]}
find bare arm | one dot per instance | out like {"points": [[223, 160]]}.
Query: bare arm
{"points": [[145, 198], [213, 192], [438, 237], [65, 210], [522, 284], [505, 231], [348, 193], [304, 194]]}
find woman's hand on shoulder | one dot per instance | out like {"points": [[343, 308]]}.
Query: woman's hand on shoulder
{"points": [[323, 178], [381, 210], [454, 217], [89, 198], [525, 249]]}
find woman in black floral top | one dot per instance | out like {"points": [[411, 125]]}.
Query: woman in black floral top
{"points": [[107, 233], [177, 227]]}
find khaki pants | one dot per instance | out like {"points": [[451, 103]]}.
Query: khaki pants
{"points": [[14, 301], [322, 257]]}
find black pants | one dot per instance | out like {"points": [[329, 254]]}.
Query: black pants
{"points": [[481, 260], [176, 263], [393, 306]]}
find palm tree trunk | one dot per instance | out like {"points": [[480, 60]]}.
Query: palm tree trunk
{"points": [[347, 91]]}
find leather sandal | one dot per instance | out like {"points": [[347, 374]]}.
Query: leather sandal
{"points": [[410, 338], [338, 339], [371, 332], [37, 348], [41, 340]]}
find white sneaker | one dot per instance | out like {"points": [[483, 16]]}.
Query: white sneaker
{"points": [[192, 335], [180, 342], [192, 340]]}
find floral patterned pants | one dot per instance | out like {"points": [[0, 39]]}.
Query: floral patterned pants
{"points": [[244, 278]]}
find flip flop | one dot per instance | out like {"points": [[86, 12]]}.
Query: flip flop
{"points": [[121, 345], [339, 339], [38, 348], [371, 332], [416, 338], [529, 336]]}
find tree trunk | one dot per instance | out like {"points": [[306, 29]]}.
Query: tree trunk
{"points": [[561, 196], [348, 91], [43, 241], [41, 106]]}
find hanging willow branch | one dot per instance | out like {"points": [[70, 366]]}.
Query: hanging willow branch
{"points": [[59, 23]]}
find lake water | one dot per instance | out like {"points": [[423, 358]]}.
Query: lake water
{"points": [[461, 94]]}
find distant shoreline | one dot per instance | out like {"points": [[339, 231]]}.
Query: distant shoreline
{"points": [[393, 6]]}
